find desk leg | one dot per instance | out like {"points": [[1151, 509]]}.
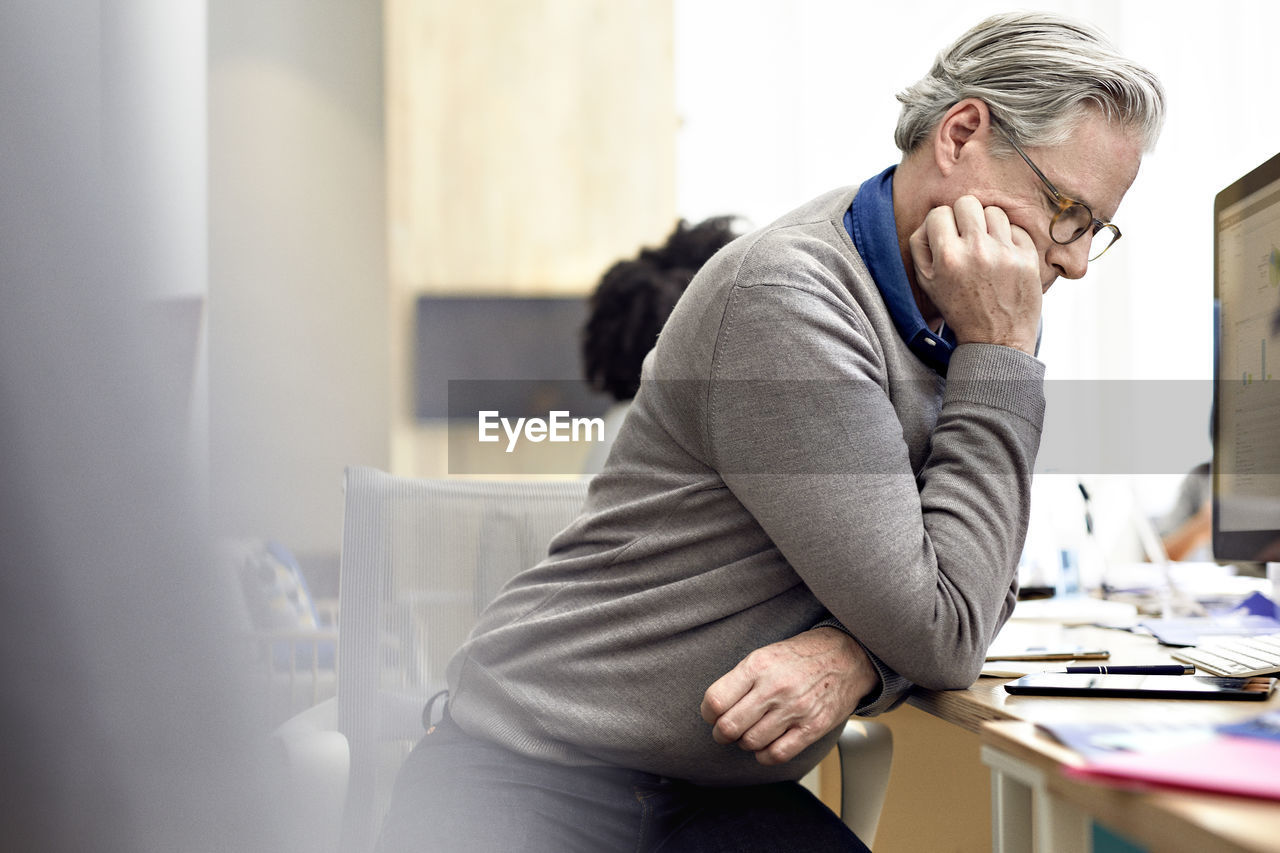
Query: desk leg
{"points": [[1025, 816], [1010, 813]]}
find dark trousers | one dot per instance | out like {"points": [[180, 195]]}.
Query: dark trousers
{"points": [[462, 795]]}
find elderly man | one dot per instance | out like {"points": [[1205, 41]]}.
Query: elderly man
{"points": [[820, 494]]}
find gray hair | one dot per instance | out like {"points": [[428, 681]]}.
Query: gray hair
{"points": [[1038, 74]]}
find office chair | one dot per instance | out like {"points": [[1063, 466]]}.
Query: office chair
{"points": [[420, 559], [865, 748]]}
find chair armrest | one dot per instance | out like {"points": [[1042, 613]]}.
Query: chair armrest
{"points": [[866, 754], [321, 718], [316, 766]]}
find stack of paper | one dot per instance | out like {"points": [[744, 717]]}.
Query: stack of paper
{"points": [[1241, 759], [1226, 764]]}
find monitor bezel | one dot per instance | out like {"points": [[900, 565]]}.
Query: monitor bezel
{"points": [[1235, 545]]}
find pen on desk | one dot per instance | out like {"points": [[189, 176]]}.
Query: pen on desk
{"points": [[1158, 669]]}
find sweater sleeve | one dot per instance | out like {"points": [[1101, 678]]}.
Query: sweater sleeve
{"points": [[893, 687], [805, 429]]}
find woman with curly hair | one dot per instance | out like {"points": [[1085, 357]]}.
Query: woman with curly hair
{"points": [[629, 307]]}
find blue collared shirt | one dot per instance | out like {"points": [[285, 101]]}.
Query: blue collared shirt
{"points": [[869, 221]]}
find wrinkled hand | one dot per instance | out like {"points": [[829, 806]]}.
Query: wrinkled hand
{"points": [[783, 697], [981, 272]]}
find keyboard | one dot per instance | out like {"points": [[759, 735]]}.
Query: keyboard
{"points": [[1235, 656]]}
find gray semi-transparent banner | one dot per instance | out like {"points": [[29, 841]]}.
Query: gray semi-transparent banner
{"points": [[514, 427]]}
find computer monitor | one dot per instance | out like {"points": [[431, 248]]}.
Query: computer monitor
{"points": [[1246, 422]]}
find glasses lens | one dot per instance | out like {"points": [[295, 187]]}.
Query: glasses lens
{"points": [[1102, 241], [1071, 224]]}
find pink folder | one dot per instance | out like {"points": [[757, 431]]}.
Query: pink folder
{"points": [[1247, 767]]}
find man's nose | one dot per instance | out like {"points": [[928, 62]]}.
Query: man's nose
{"points": [[1072, 259]]}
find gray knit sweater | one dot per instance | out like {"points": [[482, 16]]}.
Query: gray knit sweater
{"points": [[787, 460]]}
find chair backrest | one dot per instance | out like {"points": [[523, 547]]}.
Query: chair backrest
{"points": [[420, 560]]}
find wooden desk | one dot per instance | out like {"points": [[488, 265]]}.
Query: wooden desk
{"points": [[1161, 820], [1036, 808]]}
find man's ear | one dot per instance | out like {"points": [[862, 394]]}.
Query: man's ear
{"points": [[965, 121]]}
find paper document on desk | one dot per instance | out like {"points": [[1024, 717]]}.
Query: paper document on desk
{"points": [[1254, 616], [1002, 651], [1266, 726], [1016, 668], [1075, 610], [1194, 631], [1094, 740], [1247, 767]]}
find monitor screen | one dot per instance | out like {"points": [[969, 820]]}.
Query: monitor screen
{"points": [[1246, 442]]}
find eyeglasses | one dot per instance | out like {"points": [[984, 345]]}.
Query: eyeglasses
{"points": [[1074, 219]]}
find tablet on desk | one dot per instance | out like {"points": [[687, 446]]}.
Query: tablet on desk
{"points": [[1143, 686]]}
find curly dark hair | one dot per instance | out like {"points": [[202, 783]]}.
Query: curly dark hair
{"points": [[634, 299]]}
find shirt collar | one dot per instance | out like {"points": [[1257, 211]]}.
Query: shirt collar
{"points": [[870, 222]]}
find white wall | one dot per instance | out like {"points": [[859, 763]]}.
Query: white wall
{"points": [[780, 101], [127, 723], [155, 91], [298, 323]]}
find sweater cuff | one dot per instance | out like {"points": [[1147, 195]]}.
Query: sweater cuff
{"points": [[893, 687], [999, 377]]}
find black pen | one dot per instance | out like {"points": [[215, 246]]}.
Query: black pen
{"points": [[1158, 669]]}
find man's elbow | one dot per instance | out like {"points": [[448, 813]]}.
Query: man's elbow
{"points": [[951, 669], [952, 680]]}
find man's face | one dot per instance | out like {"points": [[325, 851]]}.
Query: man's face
{"points": [[1095, 166]]}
